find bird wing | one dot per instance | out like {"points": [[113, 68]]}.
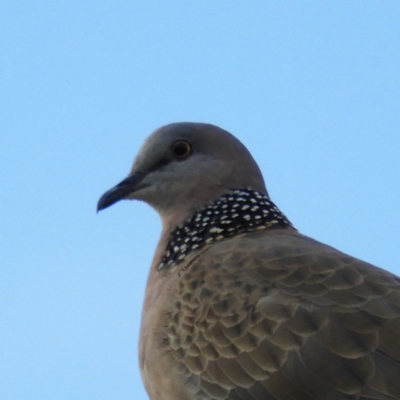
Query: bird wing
{"points": [[275, 315]]}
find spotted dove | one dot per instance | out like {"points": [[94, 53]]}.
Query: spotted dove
{"points": [[239, 305]]}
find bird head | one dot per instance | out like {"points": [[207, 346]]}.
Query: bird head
{"points": [[181, 167]]}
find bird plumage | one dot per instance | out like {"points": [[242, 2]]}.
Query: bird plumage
{"points": [[241, 308]]}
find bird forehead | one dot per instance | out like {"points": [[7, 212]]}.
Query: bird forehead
{"points": [[206, 139]]}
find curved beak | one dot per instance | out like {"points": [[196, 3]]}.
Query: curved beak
{"points": [[119, 192]]}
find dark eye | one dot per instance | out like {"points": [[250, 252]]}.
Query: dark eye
{"points": [[181, 149]]}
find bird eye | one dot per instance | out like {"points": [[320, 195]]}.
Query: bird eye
{"points": [[181, 149]]}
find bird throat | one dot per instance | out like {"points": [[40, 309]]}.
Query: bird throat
{"points": [[239, 211]]}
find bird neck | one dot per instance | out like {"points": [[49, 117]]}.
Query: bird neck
{"points": [[236, 212]]}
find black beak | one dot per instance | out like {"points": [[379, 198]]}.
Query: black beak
{"points": [[121, 191]]}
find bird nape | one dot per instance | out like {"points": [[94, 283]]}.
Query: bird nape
{"points": [[241, 306]]}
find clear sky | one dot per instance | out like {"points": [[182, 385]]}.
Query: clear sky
{"points": [[311, 87]]}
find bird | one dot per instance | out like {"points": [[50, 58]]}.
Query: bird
{"points": [[239, 305]]}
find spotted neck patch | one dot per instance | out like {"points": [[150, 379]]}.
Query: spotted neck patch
{"points": [[236, 212]]}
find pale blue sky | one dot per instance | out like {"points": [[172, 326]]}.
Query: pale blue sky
{"points": [[311, 87]]}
